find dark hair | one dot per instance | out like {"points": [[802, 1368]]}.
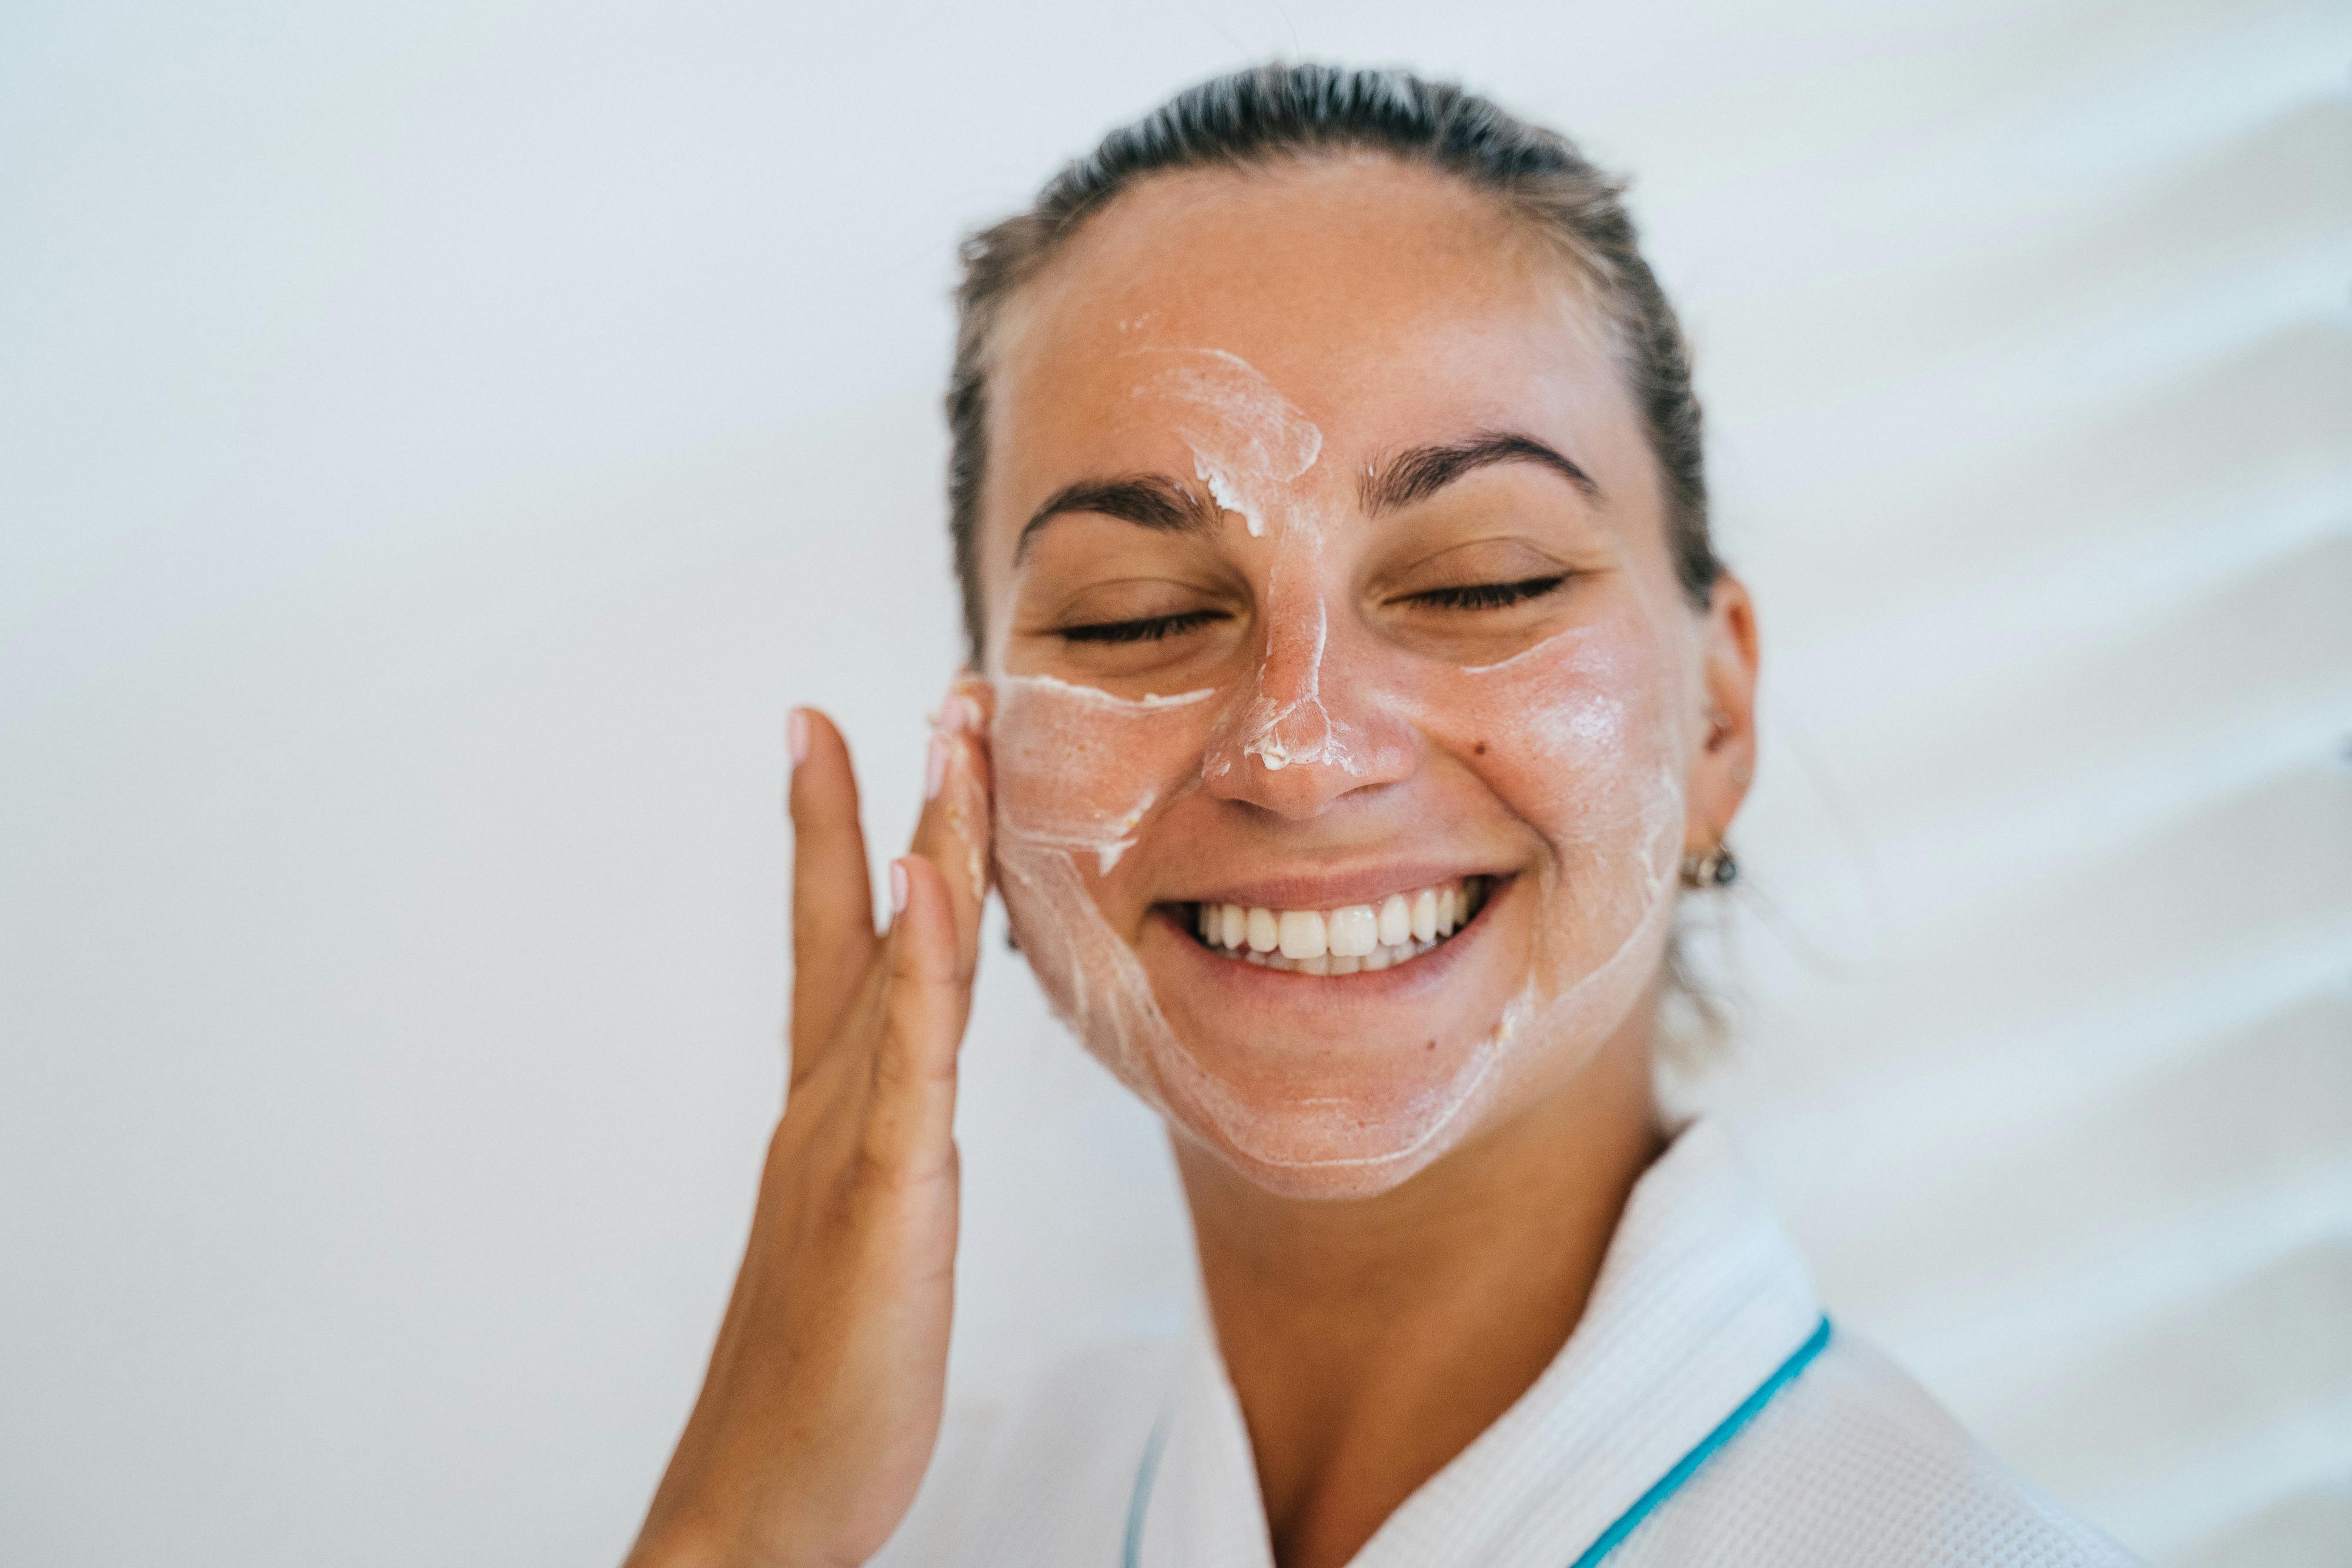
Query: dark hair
{"points": [[1254, 118]]}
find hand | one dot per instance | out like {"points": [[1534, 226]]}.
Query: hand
{"points": [[822, 1400]]}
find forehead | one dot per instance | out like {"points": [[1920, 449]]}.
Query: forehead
{"points": [[1391, 304]]}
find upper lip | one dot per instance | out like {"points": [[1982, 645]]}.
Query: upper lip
{"points": [[1335, 889]]}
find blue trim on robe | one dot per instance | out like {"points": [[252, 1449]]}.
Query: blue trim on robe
{"points": [[1669, 1483], [1643, 1506]]}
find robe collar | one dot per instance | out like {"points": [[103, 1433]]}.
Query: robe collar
{"points": [[1701, 1310]]}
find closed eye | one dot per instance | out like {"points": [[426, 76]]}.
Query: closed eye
{"points": [[1150, 629], [1488, 595]]}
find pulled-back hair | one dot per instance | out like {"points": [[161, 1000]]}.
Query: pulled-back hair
{"points": [[1255, 118]]}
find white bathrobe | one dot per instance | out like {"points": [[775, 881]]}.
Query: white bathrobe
{"points": [[1704, 1411]]}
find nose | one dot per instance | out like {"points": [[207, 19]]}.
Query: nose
{"points": [[1309, 728]]}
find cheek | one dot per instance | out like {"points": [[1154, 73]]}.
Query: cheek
{"points": [[1078, 776], [1573, 737], [1580, 746], [1078, 771]]}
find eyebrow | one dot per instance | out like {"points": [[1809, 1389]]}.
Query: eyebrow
{"points": [[1147, 500], [1419, 472]]}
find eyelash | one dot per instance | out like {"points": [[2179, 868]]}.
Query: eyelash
{"points": [[1470, 596], [1488, 595], [1151, 631]]}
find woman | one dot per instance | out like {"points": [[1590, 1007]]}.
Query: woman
{"points": [[1353, 688]]}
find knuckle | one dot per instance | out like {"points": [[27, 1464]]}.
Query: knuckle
{"points": [[890, 1075], [885, 1179], [884, 1175], [873, 1170]]}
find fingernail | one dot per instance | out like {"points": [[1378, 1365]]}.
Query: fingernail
{"points": [[935, 768], [898, 887], [973, 717], [796, 734]]}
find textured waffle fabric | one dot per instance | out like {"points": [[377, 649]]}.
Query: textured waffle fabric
{"points": [[1139, 1454]]}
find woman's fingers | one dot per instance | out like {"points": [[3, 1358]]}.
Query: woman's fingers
{"points": [[833, 943], [932, 952], [952, 833], [822, 1398], [911, 1117]]}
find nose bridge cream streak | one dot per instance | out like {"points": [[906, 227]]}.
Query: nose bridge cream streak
{"points": [[1568, 744], [1252, 449]]}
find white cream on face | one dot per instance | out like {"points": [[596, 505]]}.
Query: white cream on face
{"points": [[1582, 747], [1253, 447], [1248, 442], [1043, 726]]}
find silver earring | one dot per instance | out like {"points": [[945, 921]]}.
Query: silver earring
{"points": [[1709, 868]]}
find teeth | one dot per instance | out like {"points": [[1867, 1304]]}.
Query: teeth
{"points": [[1304, 935], [1354, 931], [1265, 930], [1347, 940]]}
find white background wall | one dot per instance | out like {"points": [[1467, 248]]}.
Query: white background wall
{"points": [[438, 441]]}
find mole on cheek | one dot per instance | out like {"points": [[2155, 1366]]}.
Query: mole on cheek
{"points": [[1480, 748]]}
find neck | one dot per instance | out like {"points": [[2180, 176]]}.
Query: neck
{"points": [[1369, 1339]]}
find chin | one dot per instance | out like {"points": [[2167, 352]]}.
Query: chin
{"points": [[1334, 1086], [1377, 1131], [1314, 1085], [1319, 1160], [1317, 1117]]}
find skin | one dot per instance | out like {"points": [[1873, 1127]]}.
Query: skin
{"points": [[1373, 1322]]}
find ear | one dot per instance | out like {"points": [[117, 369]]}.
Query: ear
{"points": [[1725, 760]]}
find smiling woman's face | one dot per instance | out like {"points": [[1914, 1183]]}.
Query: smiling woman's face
{"points": [[1345, 697]]}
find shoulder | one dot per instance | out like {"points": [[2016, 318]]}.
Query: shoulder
{"points": [[1038, 1470], [1854, 1463]]}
